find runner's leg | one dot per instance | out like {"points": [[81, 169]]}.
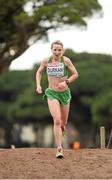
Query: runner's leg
{"points": [[64, 115], [54, 107]]}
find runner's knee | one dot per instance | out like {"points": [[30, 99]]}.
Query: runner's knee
{"points": [[57, 121]]}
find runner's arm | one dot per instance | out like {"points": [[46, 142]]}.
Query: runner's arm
{"points": [[39, 76], [73, 71]]}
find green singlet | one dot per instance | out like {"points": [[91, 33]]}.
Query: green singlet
{"points": [[57, 69]]}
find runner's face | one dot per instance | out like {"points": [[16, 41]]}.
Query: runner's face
{"points": [[57, 51]]}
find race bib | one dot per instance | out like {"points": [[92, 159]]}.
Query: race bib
{"points": [[55, 69]]}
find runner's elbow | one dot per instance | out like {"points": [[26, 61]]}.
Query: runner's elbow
{"points": [[38, 73], [76, 75]]}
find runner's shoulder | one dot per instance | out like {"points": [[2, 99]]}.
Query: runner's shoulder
{"points": [[45, 61], [66, 60]]}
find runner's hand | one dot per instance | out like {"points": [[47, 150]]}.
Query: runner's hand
{"points": [[62, 85], [39, 90]]}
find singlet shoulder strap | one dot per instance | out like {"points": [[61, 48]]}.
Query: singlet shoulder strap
{"points": [[62, 59], [50, 59], [65, 67]]}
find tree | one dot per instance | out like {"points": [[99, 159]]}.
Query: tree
{"points": [[102, 109], [19, 27], [91, 96]]}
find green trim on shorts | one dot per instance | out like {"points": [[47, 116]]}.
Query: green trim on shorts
{"points": [[63, 97]]}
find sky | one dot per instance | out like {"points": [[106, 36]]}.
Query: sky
{"points": [[96, 38]]}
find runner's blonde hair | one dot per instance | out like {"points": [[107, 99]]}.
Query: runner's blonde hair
{"points": [[57, 42]]}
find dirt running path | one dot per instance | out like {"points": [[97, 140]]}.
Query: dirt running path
{"points": [[40, 163]]}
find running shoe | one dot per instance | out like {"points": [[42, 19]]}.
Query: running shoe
{"points": [[59, 154]]}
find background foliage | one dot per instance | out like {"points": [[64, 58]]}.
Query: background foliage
{"points": [[91, 105], [20, 27]]}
